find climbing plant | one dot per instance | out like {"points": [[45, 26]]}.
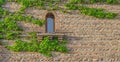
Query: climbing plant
{"points": [[2, 12], [10, 30], [0, 43], [71, 5], [45, 46], [94, 1], [30, 19], [98, 13], [2, 2]]}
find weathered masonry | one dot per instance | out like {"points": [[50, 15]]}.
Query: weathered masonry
{"points": [[90, 39]]}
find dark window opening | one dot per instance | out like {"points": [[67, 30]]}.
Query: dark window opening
{"points": [[50, 23]]}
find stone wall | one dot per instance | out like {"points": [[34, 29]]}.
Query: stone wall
{"points": [[89, 39]]}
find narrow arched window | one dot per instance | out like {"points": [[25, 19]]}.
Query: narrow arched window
{"points": [[50, 23]]}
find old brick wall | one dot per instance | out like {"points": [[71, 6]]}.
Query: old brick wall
{"points": [[89, 39]]}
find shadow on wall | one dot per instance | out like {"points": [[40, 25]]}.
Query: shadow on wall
{"points": [[74, 38]]}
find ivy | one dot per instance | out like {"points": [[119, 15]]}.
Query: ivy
{"points": [[51, 45], [71, 6], [18, 46], [12, 18], [33, 35], [28, 3], [112, 1], [1, 27], [76, 1], [3, 12], [1, 36], [12, 35], [22, 9], [11, 25], [98, 13], [2, 2], [9, 29], [43, 47], [19, 17], [53, 5], [0, 43], [94, 1], [38, 22]]}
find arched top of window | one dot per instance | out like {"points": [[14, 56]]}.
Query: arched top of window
{"points": [[50, 15], [50, 24]]}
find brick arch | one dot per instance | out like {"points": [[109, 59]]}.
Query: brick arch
{"points": [[46, 12], [50, 14]]}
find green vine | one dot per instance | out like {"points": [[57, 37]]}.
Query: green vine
{"points": [[30, 19], [72, 5], [0, 43], [44, 47], [9, 27], [2, 2], [12, 35], [98, 13], [28, 3], [33, 35], [2, 12], [94, 1], [10, 30]]}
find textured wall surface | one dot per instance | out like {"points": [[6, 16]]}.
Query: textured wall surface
{"points": [[89, 39]]}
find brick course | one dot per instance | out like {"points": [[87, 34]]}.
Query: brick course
{"points": [[90, 39]]}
